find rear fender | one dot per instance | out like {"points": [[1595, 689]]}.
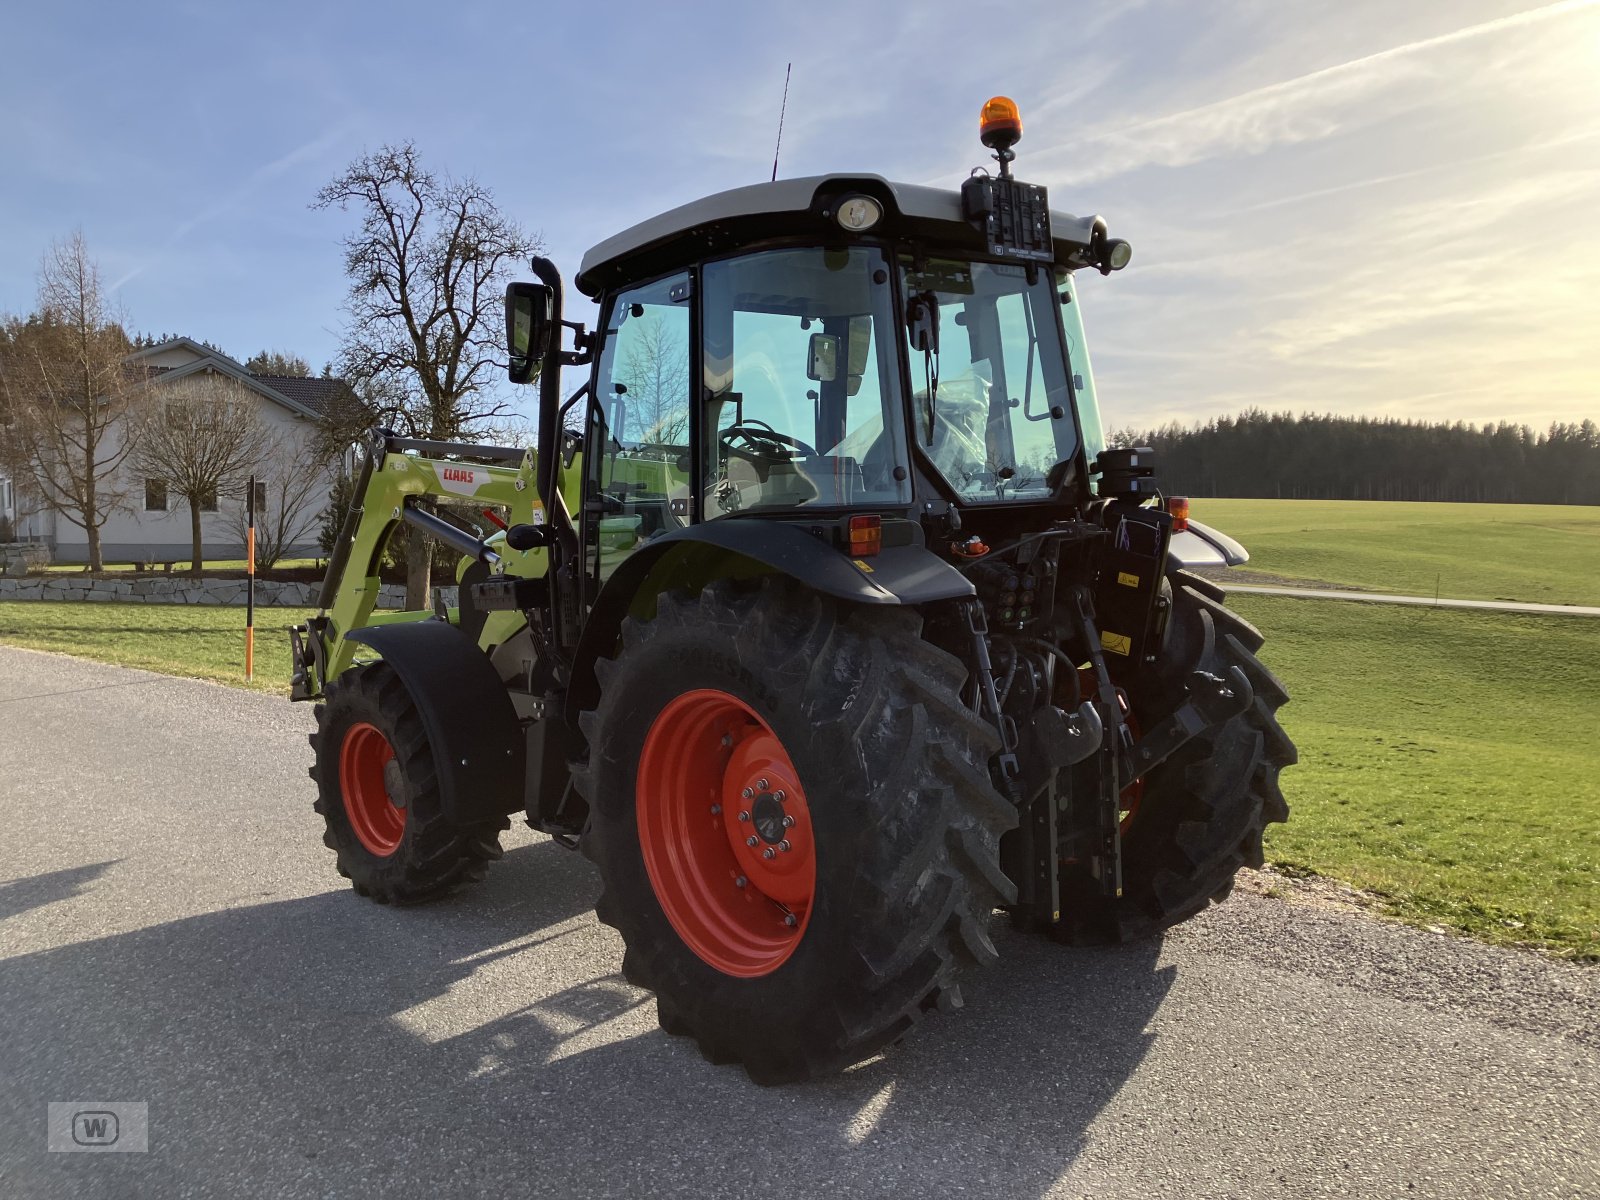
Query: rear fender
{"points": [[466, 712], [692, 557]]}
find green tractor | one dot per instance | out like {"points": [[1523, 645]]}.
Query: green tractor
{"points": [[822, 621]]}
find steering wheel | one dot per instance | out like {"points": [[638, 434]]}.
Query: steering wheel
{"points": [[756, 441]]}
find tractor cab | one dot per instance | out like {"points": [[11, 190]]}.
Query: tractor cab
{"points": [[835, 350]]}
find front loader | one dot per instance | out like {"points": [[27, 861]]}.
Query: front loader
{"points": [[823, 621]]}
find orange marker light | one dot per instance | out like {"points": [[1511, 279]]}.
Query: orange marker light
{"points": [[1178, 509], [1000, 124], [866, 536]]}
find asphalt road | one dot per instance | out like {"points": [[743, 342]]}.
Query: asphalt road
{"points": [[172, 931]]}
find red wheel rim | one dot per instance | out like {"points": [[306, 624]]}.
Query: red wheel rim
{"points": [[378, 822], [1089, 685], [713, 777]]}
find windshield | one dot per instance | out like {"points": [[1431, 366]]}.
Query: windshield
{"points": [[802, 401], [992, 405]]}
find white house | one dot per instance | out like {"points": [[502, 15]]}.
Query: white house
{"points": [[154, 526]]}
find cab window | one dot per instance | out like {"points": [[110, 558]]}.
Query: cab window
{"points": [[802, 407], [638, 461]]}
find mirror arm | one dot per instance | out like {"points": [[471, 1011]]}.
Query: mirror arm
{"points": [[550, 412]]}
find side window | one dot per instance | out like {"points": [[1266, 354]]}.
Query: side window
{"points": [[638, 460]]}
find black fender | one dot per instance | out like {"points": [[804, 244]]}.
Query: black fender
{"points": [[477, 742], [1202, 546], [691, 557]]}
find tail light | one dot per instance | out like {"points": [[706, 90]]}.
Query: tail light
{"points": [[866, 536], [1178, 510]]}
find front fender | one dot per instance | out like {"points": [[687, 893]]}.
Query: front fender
{"points": [[472, 728], [692, 557], [1202, 546]]}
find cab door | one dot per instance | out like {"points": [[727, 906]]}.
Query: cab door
{"points": [[638, 465]]}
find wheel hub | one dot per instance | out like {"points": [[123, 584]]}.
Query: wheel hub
{"points": [[725, 833], [367, 769], [767, 814]]}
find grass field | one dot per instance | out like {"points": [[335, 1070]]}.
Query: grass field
{"points": [[1448, 761], [198, 641], [1547, 554]]}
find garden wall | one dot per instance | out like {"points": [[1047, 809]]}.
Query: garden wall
{"points": [[182, 591]]}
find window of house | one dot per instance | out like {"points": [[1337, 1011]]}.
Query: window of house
{"points": [[208, 500], [155, 495], [261, 497]]}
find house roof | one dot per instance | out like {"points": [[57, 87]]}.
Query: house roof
{"points": [[320, 395], [313, 398]]}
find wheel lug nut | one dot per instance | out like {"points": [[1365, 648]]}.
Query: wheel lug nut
{"points": [[791, 920], [752, 841], [763, 784], [780, 795], [747, 793], [788, 822], [740, 882], [769, 852], [784, 846], [745, 815], [716, 810]]}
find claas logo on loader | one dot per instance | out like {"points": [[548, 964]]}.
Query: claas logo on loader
{"points": [[461, 480]]}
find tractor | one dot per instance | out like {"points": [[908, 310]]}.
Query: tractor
{"points": [[822, 620]]}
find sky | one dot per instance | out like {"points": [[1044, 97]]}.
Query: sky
{"points": [[1369, 208]]}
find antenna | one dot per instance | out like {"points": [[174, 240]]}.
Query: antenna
{"points": [[781, 111]]}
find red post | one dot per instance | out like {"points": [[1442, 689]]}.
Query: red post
{"points": [[250, 583]]}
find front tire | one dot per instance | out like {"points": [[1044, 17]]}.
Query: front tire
{"points": [[378, 794], [1200, 815], [796, 962]]}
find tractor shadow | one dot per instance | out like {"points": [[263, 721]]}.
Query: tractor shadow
{"points": [[488, 1042]]}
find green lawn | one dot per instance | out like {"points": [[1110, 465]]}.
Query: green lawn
{"points": [[1547, 554], [1448, 761], [200, 641]]}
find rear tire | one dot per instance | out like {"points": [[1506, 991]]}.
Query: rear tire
{"points": [[1202, 813], [371, 750], [899, 819]]}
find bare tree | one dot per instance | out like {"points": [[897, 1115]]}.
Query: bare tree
{"points": [[655, 370], [64, 391], [202, 436], [427, 265], [292, 481]]}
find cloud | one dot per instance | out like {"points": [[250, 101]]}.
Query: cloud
{"points": [[1306, 108], [240, 195]]}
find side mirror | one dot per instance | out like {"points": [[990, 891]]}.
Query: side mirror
{"points": [[922, 322], [528, 311], [822, 361]]}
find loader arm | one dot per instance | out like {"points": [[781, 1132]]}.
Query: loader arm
{"points": [[398, 473]]}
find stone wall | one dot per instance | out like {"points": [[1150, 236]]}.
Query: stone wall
{"points": [[144, 590]]}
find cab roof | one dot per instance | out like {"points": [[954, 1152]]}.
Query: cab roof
{"points": [[723, 222]]}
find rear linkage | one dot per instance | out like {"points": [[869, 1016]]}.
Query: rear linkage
{"points": [[1066, 766]]}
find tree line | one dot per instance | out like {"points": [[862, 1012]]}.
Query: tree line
{"points": [[1322, 457]]}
